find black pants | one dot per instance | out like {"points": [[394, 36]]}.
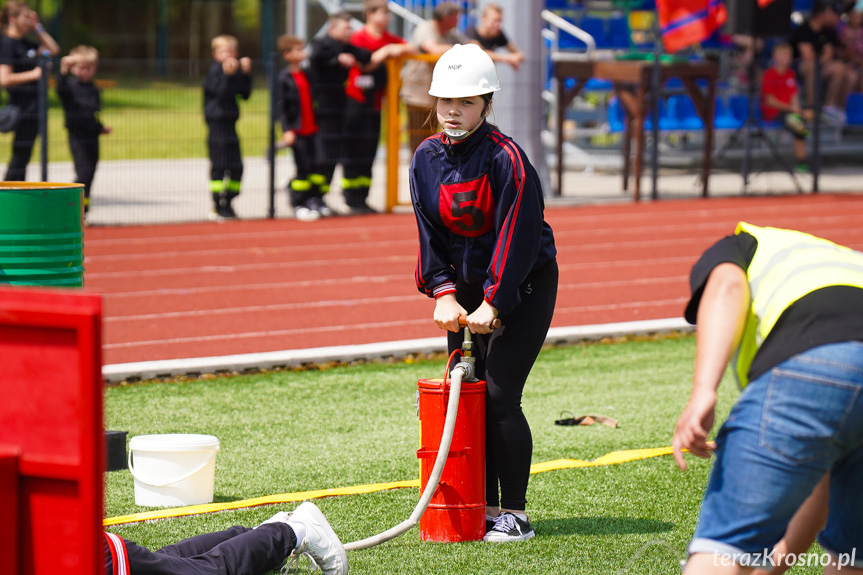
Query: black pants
{"points": [[224, 148], [22, 146], [85, 154], [331, 132], [235, 551], [359, 147], [504, 360], [309, 181]]}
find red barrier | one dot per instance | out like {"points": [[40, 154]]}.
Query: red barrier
{"points": [[51, 417], [9, 508]]}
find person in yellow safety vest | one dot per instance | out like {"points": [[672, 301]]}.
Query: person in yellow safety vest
{"points": [[786, 309], [802, 531]]}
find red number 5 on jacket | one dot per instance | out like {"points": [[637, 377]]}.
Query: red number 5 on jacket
{"points": [[467, 208]]}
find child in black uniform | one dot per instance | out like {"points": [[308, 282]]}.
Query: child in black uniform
{"points": [[236, 551], [300, 132], [330, 62], [486, 252], [228, 80], [81, 104]]}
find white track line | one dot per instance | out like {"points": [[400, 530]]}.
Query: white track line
{"points": [[341, 303], [687, 214], [347, 353]]}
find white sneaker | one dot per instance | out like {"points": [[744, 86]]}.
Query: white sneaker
{"points": [[320, 543], [835, 115], [509, 527], [304, 214]]}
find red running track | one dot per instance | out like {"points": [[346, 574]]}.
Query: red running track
{"points": [[198, 290]]}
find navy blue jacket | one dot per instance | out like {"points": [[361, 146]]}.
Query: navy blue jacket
{"points": [[479, 211]]}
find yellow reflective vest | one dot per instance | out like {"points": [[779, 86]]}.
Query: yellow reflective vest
{"points": [[787, 265]]}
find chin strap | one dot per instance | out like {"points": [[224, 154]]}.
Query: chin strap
{"points": [[459, 135], [456, 135]]}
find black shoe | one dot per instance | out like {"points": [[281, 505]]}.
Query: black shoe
{"points": [[361, 209], [226, 211], [509, 527]]}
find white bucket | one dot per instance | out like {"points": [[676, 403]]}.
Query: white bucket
{"points": [[173, 469]]}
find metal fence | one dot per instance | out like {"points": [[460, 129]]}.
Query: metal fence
{"points": [[154, 165]]}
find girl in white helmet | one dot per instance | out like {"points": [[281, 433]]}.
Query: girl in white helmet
{"points": [[485, 253]]}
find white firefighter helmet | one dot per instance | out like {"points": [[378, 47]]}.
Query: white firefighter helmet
{"points": [[463, 71]]}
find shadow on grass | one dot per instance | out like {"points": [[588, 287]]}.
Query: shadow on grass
{"points": [[601, 526]]}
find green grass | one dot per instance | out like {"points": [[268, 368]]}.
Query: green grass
{"points": [[154, 121], [158, 120], [301, 430]]}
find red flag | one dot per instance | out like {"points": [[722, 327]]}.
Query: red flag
{"points": [[687, 22]]}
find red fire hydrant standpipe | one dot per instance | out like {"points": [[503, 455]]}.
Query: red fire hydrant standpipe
{"points": [[464, 370], [457, 508]]}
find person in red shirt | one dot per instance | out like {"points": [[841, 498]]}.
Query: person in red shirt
{"points": [[365, 91], [300, 132], [780, 101]]}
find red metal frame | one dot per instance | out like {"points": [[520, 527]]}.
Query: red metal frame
{"points": [[51, 429]]}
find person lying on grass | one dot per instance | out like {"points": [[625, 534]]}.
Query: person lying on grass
{"points": [[237, 550]]}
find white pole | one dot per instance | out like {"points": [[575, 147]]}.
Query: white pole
{"points": [[518, 110], [301, 19]]}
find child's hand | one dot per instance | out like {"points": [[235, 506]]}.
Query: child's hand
{"points": [[481, 320], [447, 311], [289, 138], [107, 129], [384, 53], [346, 60], [230, 66], [246, 65], [66, 62]]}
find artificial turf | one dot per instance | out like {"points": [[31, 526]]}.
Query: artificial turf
{"points": [[299, 430]]}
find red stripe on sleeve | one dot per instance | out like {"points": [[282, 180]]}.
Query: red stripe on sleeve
{"points": [[503, 243]]}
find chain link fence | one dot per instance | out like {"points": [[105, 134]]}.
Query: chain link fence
{"points": [[154, 167]]}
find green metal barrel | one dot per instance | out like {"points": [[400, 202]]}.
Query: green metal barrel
{"points": [[41, 234]]}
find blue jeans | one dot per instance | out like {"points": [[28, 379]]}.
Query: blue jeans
{"points": [[789, 427]]}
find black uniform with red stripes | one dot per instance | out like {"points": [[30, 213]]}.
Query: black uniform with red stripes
{"points": [[479, 210], [235, 551]]}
